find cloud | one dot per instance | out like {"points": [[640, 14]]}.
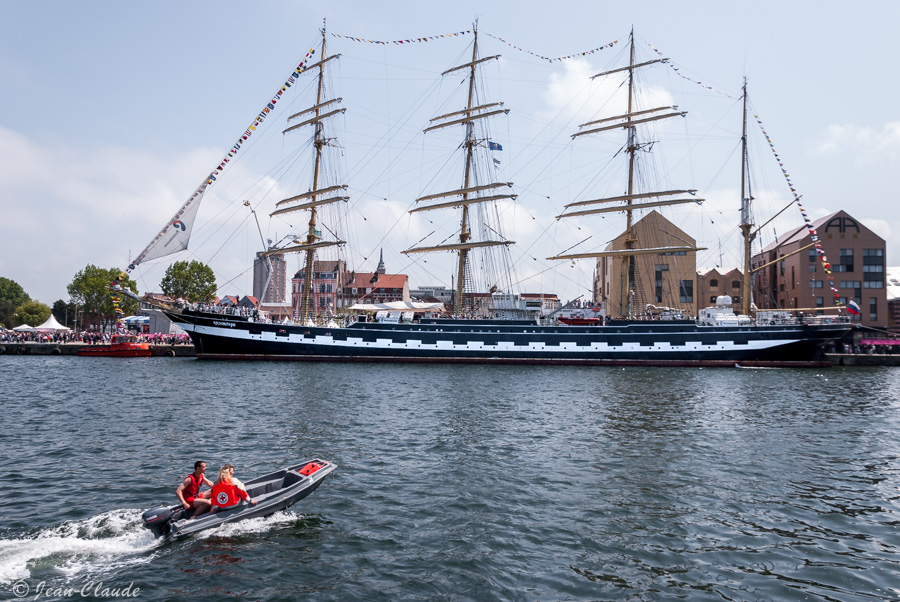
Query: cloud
{"points": [[881, 227], [66, 207], [574, 96], [864, 144]]}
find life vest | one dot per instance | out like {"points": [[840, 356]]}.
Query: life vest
{"points": [[310, 468], [226, 495], [193, 490]]}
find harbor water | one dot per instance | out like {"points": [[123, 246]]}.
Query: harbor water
{"points": [[456, 482]]}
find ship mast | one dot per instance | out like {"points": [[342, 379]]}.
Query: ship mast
{"points": [[471, 192], [746, 218], [315, 197], [628, 122]]}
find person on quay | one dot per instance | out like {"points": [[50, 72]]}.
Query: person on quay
{"points": [[189, 491], [225, 493]]}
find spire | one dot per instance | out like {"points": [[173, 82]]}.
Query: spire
{"points": [[380, 269]]}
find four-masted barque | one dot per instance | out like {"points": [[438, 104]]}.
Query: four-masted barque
{"points": [[620, 342]]}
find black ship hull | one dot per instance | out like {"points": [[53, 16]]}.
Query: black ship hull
{"points": [[656, 343]]}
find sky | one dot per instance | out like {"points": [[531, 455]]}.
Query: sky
{"points": [[112, 113]]}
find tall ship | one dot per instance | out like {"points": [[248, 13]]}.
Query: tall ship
{"points": [[717, 337]]}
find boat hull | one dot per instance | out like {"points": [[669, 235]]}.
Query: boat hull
{"points": [[493, 342], [270, 491], [581, 321], [115, 351]]}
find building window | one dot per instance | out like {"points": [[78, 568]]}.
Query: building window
{"points": [[873, 268], [713, 298], [850, 284], [873, 309], [713, 283], [846, 264], [735, 284], [816, 284], [812, 268], [660, 268], [812, 255], [686, 291]]}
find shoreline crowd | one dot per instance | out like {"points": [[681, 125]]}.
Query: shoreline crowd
{"points": [[89, 338]]}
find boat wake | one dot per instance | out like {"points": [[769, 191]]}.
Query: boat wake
{"points": [[252, 525], [109, 540]]}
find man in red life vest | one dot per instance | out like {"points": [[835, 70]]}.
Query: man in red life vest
{"points": [[225, 494], [189, 490]]}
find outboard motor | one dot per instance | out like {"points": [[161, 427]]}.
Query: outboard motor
{"points": [[157, 519]]}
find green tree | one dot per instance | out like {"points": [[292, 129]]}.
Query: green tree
{"points": [[89, 290], [12, 295], [33, 313], [193, 281], [63, 312]]}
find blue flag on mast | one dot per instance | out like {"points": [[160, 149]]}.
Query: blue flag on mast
{"points": [[494, 146]]}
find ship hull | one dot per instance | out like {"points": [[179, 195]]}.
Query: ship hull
{"points": [[492, 342]]}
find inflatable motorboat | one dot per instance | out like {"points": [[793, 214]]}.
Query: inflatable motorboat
{"points": [[272, 492]]}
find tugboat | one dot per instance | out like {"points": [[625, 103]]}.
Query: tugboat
{"points": [[121, 345]]}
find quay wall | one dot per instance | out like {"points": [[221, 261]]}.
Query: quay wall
{"points": [[863, 359]]}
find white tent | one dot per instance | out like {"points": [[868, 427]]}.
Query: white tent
{"points": [[23, 328], [136, 320], [51, 325]]}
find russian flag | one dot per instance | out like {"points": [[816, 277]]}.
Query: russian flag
{"points": [[853, 308]]}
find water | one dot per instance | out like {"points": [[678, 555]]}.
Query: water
{"points": [[457, 482]]}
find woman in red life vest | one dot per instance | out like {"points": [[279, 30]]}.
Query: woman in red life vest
{"points": [[225, 494]]}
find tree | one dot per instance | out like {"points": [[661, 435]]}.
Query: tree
{"points": [[11, 296], [63, 312], [33, 313], [193, 281], [90, 290]]}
